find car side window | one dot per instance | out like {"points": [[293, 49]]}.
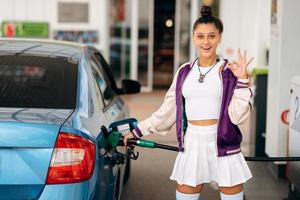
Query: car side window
{"points": [[102, 81], [98, 94]]}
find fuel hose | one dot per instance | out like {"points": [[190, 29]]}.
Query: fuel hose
{"points": [[152, 145]]}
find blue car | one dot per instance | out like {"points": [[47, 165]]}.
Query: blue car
{"points": [[54, 99]]}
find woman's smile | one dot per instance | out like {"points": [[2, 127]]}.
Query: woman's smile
{"points": [[206, 48]]}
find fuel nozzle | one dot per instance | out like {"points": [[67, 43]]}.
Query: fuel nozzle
{"points": [[113, 139]]}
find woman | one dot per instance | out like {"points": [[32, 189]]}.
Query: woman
{"points": [[208, 98]]}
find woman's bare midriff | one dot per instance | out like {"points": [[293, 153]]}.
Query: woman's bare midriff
{"points": [[206, 122]]}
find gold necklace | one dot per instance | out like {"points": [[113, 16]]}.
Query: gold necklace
{"points": [[202, 76]]}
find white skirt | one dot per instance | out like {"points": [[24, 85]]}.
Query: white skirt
{"points": [[199, 163]]}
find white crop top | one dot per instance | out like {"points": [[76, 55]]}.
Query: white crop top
{"points": [[203, 100]]}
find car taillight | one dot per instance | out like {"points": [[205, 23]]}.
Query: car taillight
{"points": [[72, 160]]}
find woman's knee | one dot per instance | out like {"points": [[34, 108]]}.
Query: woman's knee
{"points": [[187, 189], [186, 192], [231, 190], [232, 193]]}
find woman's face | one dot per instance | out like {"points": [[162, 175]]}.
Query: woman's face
{"points": [[206, 38]]}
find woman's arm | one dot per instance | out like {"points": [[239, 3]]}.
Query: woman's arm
{"points": [[240, 106], [161, 121]]}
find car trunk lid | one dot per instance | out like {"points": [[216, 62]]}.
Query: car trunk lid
{"points": [[27, 138]]}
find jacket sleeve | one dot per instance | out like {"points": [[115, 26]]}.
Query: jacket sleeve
{"points": [[240, 106], [162, 120]]}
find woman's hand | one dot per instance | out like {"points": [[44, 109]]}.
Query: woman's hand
{"points": [[239, 67], [127, 137]]}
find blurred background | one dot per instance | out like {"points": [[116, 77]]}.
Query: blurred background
{"points": [[147, 40]]}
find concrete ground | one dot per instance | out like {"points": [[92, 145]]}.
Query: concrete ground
{"points": [[149, 178]]}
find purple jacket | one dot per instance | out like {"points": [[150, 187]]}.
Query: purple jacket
{"points": [[229, 136]]}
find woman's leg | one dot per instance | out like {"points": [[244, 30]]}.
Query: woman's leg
{"points": [[186, 192], [232, 193]]}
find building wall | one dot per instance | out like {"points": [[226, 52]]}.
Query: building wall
{"points": [[47, 11], [284, 64], [23, 10], [246, 26]]}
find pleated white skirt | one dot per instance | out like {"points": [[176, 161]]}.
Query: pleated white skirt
{"points": [[199, 163]]}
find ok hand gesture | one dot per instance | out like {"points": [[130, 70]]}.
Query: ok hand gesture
{"points": [[239, 67]]}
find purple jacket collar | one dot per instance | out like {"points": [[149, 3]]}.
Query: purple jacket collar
{"points": [[229, 136]]}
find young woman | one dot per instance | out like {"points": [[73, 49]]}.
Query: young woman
{"points": [[208, 98]]}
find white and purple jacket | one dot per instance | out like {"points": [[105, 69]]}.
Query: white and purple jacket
{"points": [[235, 108]]}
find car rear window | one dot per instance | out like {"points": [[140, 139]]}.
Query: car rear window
{"points": [[37, 82]]}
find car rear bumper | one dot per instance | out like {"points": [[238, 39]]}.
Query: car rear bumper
{"points": [[75, 191]]}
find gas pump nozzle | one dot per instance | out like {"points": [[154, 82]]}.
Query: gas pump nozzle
{"points": [[114, 137]]}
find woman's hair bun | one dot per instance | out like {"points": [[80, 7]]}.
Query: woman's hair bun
{"points": [[206, 11]]}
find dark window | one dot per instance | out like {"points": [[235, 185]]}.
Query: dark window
{"points": [[102, 81], [70, 12], [37, 82], [100, 101]]}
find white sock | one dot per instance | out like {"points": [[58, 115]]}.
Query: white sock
{"points": [[184, 196], [238, 196]]}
